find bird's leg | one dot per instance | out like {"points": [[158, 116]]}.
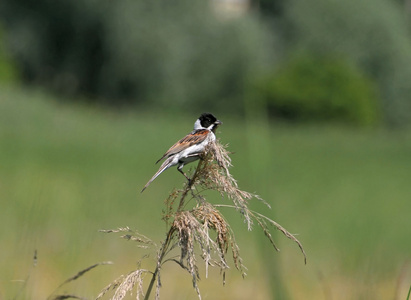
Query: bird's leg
{"points": [[180, 169]]}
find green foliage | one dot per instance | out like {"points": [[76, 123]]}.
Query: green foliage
{"points": [[373, 34], [313, 88], [8, 70], [137, 51], [269, 8], [180, 54], [57, 44], [188, 55]]}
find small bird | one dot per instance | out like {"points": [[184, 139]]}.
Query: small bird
{"points": [[189, 148]]}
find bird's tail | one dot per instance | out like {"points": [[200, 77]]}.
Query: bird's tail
{"points": [[164, 166]]}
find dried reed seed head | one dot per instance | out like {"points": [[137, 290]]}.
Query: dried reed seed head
{"points": [[133, 279], [169, 202], [187, 227], [189, 232], [213, 173], [212, 218], [221, 155], [193, 228]]}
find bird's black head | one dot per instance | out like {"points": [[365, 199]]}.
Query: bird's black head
{"points": [[209, 121]]}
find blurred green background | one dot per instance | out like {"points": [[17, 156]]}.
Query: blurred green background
{"points": [[315, 97]]}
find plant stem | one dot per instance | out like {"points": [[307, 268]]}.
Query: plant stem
{"points": [[163, 252], [188, 188], [167, 242]]}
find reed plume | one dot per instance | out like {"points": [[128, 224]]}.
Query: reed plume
{"points": [[197, 229]]}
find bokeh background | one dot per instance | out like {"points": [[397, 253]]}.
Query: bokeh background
{"points": [[315, 97]]}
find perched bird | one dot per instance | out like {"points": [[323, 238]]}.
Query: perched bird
{"points": [[189, 148]]}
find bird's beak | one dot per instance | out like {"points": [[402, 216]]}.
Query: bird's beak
{"points": [[218, 122]]}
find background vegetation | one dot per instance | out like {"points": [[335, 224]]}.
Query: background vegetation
{"points": [[315, 100], [197, 55]]}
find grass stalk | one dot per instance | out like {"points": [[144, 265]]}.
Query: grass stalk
{"points": [[189, 228]]}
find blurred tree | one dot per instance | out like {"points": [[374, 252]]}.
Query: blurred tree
{"points": [[181, 54], [137, 51], [57, 43], [8, 70], [184, 54], [313, 88], [268, 8], [372, 33]]}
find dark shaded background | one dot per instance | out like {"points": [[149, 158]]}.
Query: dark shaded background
{"points": [[302, 60]]}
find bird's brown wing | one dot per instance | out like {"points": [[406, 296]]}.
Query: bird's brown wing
{"points": [[191, 139]]}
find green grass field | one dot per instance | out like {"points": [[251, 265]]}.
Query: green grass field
{"points": [[67, 171]]}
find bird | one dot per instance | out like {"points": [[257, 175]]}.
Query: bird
{"points": [[189, 148]]}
